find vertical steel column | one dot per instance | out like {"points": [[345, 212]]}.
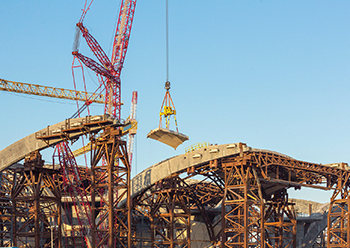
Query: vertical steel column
{"points": [[170, 215], [242, 206], [338, 230], [110, 187], [36, 197], [280, 221], [6, 207]]}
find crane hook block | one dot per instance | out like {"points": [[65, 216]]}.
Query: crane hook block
{"points": [[167, 85]]}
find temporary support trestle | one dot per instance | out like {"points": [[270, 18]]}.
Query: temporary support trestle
{"points": [[242, 206], [110, 189], [249, 217], [338, 232], [36, 199], [5, 209], [170, 215], [280, 222]]}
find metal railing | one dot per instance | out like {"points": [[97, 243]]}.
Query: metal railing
{"points": [[197, 146]]}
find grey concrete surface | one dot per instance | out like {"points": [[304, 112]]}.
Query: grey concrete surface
{"points": [[67, 129], [169, 166], [168, 137]]}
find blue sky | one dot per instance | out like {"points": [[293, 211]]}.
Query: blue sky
{"points": [[272, 74]]}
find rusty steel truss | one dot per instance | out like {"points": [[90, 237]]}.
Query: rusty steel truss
{"points": [[242, 200], [36, 204], [110, 188]]}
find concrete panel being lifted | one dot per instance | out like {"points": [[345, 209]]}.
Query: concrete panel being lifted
{"points": [[168, 137]]}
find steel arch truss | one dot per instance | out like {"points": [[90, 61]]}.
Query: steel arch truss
{"points": [[241, 198], [171, 205]]}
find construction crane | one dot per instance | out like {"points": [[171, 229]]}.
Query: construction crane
{"points": [[110, 69], [39, 90]]}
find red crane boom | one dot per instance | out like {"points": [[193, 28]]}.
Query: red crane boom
{"points": [[110, 69]]}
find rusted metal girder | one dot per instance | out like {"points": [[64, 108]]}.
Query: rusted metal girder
{"points": [[6, 181], [248, 219], [110, 186], [251, 186], [284, 170], [280, 222], [338, 231], [242, 206], [170, 215], [36, 199]]}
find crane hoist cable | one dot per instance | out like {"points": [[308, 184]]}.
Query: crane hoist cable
{"points": [[167, 109]]}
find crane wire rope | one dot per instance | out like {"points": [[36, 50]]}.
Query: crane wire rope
{"points": [[167, 40]]}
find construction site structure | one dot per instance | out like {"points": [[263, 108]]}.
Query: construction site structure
{"points": [[216, 196], [229, 195], [110, 161]]}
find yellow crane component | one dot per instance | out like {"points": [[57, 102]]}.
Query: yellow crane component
{"points": [[167, 109], [39, 90], [82, 150]]}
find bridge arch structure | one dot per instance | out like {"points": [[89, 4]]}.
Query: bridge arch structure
{"points": [[234, 193], [247, 188]]}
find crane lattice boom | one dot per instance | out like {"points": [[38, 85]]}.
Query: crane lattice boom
{"points": [[110, 69], [39, 90]]}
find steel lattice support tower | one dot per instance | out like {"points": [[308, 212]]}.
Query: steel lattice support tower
{"points": [[242, 206], [110, 186], [36, 198], [170, 215], [338, 232], [278, 231], [6, 208]]}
